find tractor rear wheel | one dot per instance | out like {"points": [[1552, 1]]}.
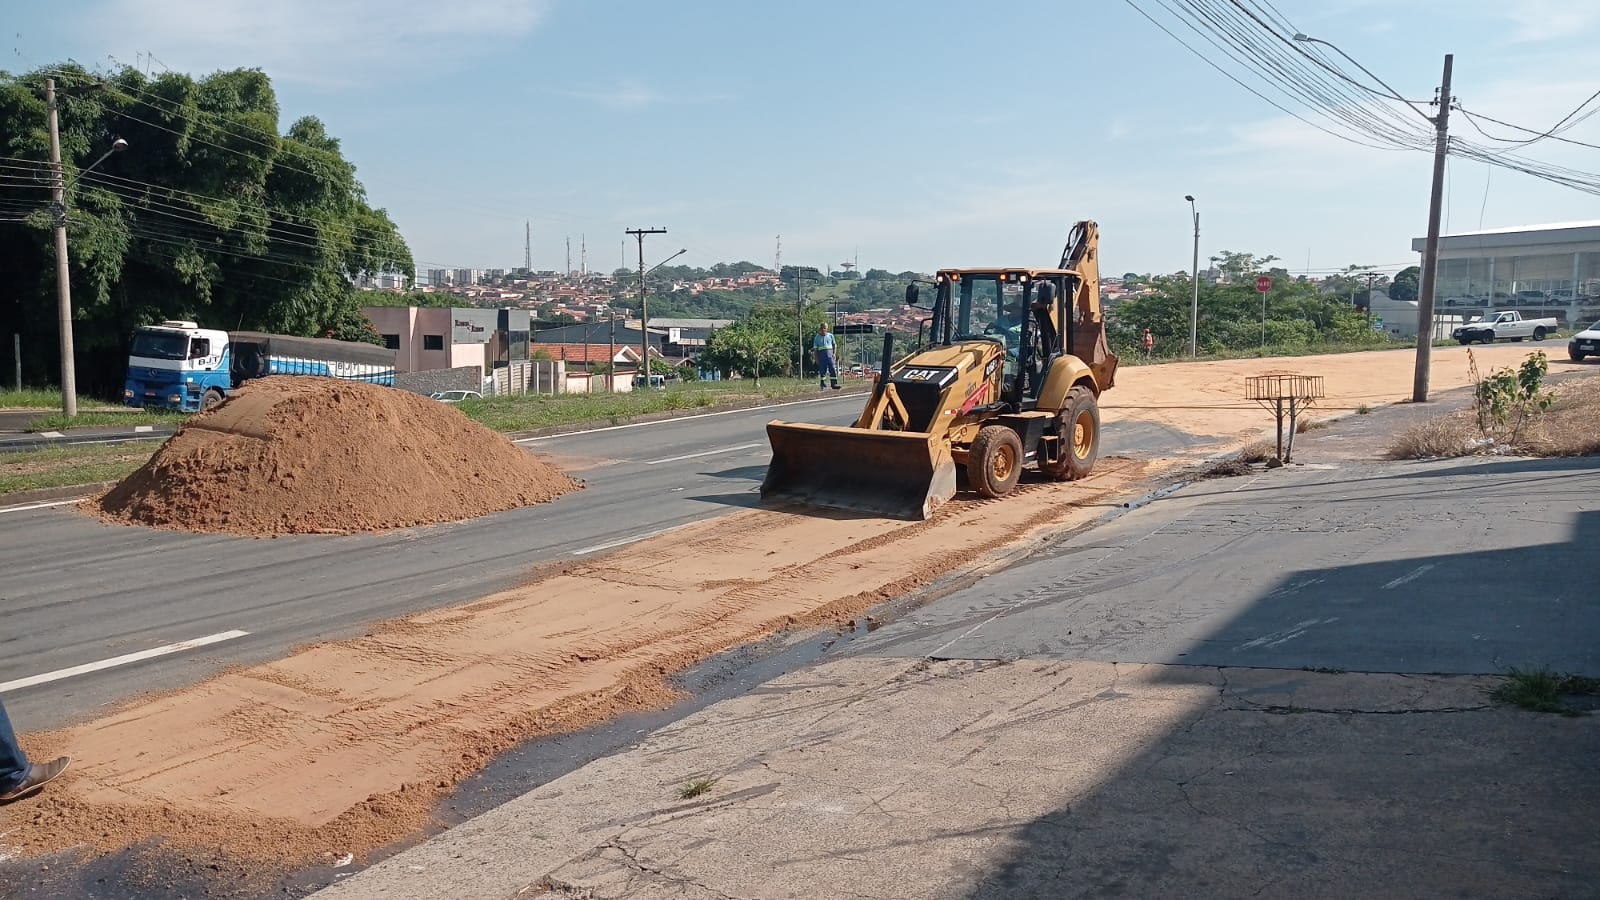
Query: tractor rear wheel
{"points": [[1078, 430], [995, 461]]}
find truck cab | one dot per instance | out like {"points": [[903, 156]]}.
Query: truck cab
{"points": [[177, 365]]}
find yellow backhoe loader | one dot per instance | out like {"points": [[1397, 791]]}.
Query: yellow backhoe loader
{"points": [[1008, 375]]}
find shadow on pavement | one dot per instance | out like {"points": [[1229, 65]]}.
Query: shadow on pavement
{"points": [[1276, 791]]}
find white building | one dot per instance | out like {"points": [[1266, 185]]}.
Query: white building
{"points": [[439, 278], [1548, 270], [466, 277], [392, 281]]}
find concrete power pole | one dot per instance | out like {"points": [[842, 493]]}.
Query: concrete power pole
{"points": [[527, 247], [1430, 254], [58, 192], [644, 332]]}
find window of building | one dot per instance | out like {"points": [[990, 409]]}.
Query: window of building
{"points": [[433, 342], [391, 342]]}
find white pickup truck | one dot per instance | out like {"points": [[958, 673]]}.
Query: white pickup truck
{"points": [[1502, 326]]}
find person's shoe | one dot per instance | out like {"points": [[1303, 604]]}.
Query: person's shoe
{"points": [[837, 387], [39, 775], [821, 386]]}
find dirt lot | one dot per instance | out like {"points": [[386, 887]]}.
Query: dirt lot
{"points": [[344, 747]]}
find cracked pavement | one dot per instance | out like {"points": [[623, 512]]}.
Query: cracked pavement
{"points": [[1157, 707]]}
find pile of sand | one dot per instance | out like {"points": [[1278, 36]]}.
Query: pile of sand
{"points": [[316, 455]]}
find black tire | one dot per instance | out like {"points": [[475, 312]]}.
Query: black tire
{"points": [[1078, 429], [995, 461], [1538, 333], [1488, 338], [1576, 355], [210, 399]]}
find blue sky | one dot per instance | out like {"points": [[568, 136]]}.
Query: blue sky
{"points": [[912, 134]]}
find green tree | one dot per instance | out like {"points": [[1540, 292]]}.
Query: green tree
{"points": [[211, 214], [434, 299], [1405, 284], [752, 346]]}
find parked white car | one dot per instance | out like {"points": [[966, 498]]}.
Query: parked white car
{"points": [[1585, 343], [457, 396], [1509, 325]]}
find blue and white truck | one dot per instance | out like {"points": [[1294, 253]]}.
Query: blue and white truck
{"points": [[181, 366]]}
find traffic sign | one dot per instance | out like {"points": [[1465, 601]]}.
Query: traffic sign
{"points": [[1263, 284]]}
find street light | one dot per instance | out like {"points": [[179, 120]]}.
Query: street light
{"points": [[644, 331], [69, 380], [800, 274], [1194, 306]]}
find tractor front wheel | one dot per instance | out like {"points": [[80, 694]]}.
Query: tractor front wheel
{"points": [[995, 461]]}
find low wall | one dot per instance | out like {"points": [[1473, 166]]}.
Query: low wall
{"points": [[432, 381]]}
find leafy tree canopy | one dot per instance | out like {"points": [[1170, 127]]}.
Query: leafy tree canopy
{"points": [[211, 213]]}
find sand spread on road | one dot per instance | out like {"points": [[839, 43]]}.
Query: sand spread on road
{"points": [[321, 456], [346, 746]]}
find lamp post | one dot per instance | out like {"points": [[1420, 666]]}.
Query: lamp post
{"points": [[644, 332], [800, 274], [1194, 305], [59, 189]]}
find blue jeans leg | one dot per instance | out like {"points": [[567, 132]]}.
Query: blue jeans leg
{"points": [[13, 762], [826, 367]]}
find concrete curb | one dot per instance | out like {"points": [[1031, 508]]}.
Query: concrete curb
{"points": [[670, 414], [44, 495]]}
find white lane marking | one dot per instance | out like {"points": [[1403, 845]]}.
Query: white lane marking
{"points": [[1413, 576], [725, 412], [138, 429], [123, 660], [28, 506], [51, 434], [657, 462], [620, 542], [1287, 634]]}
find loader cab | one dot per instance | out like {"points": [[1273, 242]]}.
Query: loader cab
{"points": [[1016, 308]]}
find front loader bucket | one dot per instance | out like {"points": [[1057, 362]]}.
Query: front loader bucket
{"points": [[898, 474]]}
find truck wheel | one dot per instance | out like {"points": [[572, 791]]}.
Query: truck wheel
{"points": [[995, 461], [1538, 333], [1575, 355], [1078, 429], [210, 399], [1488, 338]]}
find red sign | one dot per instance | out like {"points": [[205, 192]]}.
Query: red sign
{"points": [[1263, 284]]}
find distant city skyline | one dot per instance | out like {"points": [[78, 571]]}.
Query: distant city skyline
{"points": [[731, 123]]}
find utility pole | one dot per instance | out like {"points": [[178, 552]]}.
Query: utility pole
{"points": [[1194, 309], [611, 365], [644, 332], [527, 248], [58, 192], [583, 255], [1430, 257], [569, 257]]}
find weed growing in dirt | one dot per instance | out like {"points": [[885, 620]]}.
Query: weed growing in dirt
{"points": [[1363, 410], [1542, 690], [696, 787], [1240, 463], [1505, 401]]}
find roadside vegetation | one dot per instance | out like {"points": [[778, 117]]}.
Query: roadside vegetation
{"points": [[524, 412], [44, 398], [1541, 690], [1514, 412], [66, 466], [1241, 463], [89, 418]]}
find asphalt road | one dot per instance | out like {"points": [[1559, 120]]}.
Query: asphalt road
{"points": [[78, 593], [1458, 567]]}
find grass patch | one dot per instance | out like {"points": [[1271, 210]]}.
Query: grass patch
{"points": [[1305, 425], [1363, 410], [44, 398], [1541, 690], [1444, 437], [1570, 427], [520, 413], [66, 466], [57, 421], [696, 787], [1240, 463]]}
